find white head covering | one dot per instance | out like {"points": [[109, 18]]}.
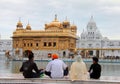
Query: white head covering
{"points": [[78, 58], [78, 69]]}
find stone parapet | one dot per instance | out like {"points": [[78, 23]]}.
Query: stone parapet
{"points": [[19, 79]]}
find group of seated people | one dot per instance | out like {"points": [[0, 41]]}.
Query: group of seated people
{"points": [[112, 57], [56, 68]]}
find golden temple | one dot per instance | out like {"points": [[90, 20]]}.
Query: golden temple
{"points": [[55, 36]]}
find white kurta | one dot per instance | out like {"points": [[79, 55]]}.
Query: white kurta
{"points": [[78, 71], [56, 67]]}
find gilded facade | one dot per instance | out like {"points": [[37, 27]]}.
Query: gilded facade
{"points": [[56, 36]]}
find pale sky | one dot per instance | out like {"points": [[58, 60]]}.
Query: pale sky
{"points": [[106, 14]]}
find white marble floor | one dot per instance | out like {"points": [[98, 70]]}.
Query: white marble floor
{"points": [[20, 76]]}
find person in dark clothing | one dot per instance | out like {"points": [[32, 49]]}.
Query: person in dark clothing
{"points": [[95, 69], [28, 67]]}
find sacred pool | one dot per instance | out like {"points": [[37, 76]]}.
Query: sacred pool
{"points": [[109, 67]]}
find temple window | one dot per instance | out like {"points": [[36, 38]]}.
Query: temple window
{"points": [[111, 44], [28, 44], [90, 45], [97, 37], [82, 44], [49, 44], [119, 43], [65, 26], [24, 44], [45, 44], [54, 44], [98, 45], [31, 44], [36, 44]]}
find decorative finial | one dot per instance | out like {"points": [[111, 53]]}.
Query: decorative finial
{"points": [[66, 18], [28, 22], [73, 22], [19, 24], [19, 19], [91, 16], [91, 19], [83, 30], [55, 17]]}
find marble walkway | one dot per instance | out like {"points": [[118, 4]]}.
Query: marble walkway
{"points": [[19, 79]]}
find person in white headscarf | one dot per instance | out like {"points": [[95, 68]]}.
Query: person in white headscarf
{"points": [[78, 70]]}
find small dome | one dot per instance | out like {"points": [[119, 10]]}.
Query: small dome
{"points": [[28, 27], [19, 24], [91, 23], [66, 22], [73, 26]]}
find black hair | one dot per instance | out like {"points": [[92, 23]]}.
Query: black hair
{"points": [[95, 59], [30, 55]]}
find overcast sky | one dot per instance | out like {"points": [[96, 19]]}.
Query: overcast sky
{"points": [[106, 14]]}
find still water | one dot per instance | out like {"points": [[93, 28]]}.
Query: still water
{"points": [[109, 68]]}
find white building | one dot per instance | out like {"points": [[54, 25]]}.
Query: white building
{"points": [[5, 45], [92, 43]]}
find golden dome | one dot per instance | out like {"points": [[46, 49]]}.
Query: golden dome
{"points": [[73, 26], [19, 24], [28, 27], [66, 22], [54, 23]]}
